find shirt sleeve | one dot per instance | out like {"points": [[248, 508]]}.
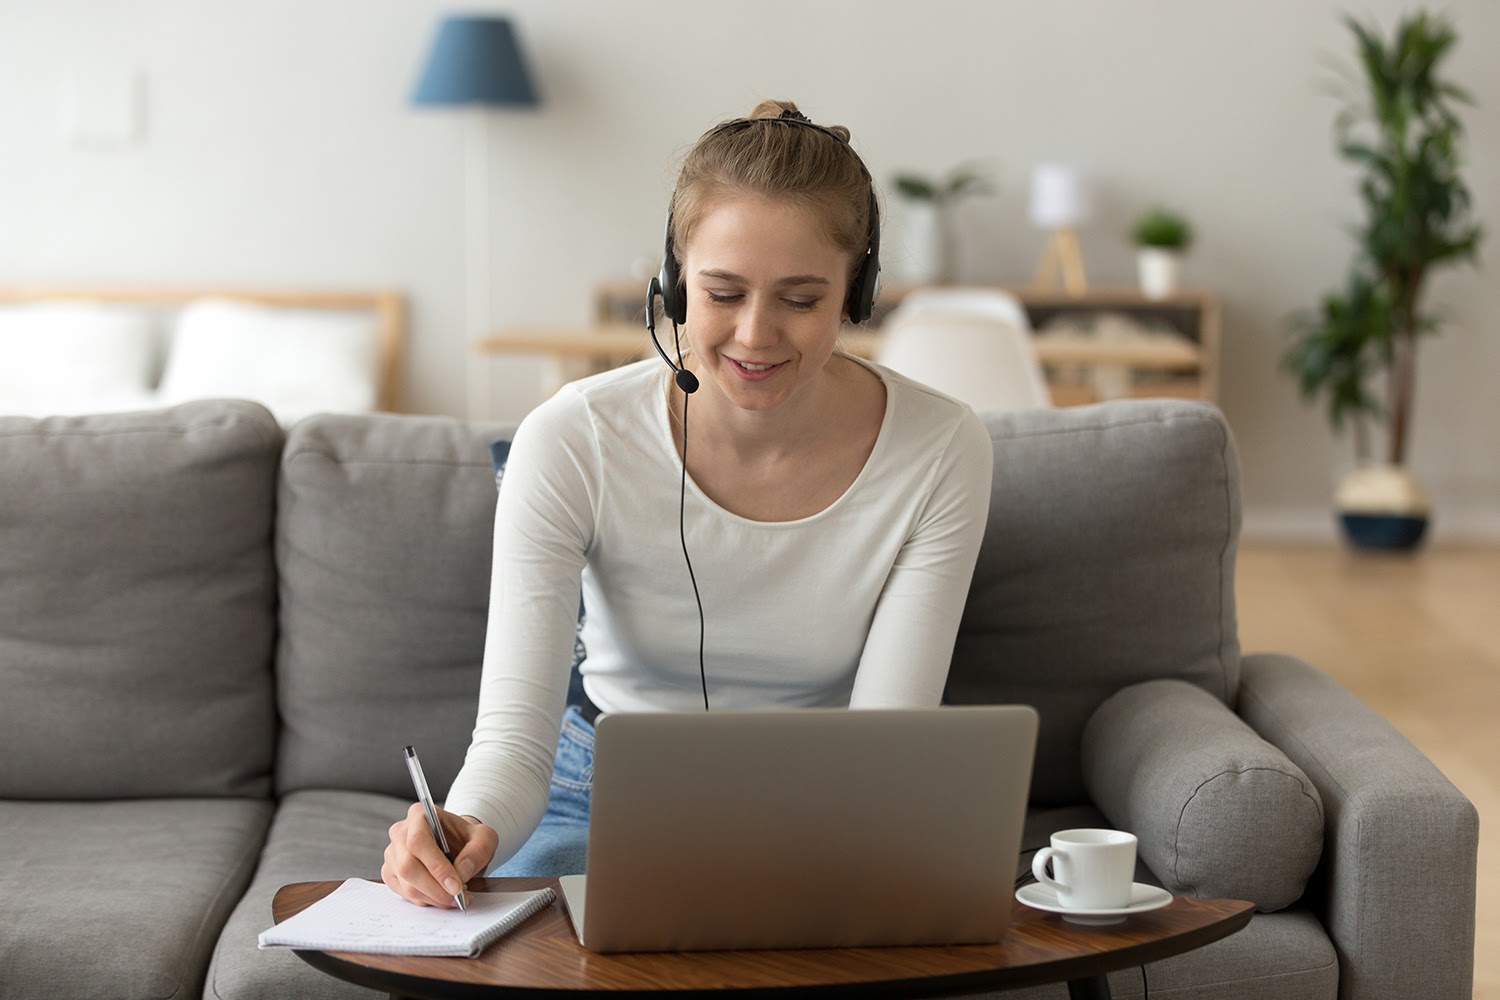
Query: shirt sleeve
{"points": [[906, 656], [544, 523]]}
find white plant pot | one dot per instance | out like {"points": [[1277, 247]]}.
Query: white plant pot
{"points": [[1160, 271], [1382, 507], [928, 255]]}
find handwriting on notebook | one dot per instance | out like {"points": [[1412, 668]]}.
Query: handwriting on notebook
{"points": [[364, 916]]}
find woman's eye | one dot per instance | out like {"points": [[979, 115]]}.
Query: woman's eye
{"points": [[729, 298]]}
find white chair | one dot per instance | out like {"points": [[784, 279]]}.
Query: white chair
{"points": [[984, 361], [967, 302]]}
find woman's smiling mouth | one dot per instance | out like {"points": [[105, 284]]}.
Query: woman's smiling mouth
{"points": [[754, 372]]}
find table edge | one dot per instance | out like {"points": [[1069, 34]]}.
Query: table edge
{"points": [[416, 986]]}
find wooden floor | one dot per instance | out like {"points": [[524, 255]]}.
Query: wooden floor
{"points": [[1417, 638]]}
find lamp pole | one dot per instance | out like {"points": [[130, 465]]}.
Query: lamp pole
{"points": [[476, 61], [479, 275]]}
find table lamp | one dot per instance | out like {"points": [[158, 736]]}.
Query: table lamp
{"points": [[476, 62], [1060, 201]]}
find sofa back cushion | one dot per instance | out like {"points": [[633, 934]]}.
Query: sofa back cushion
{"points": [[1108, 560], [137, 603], [383, 549]]}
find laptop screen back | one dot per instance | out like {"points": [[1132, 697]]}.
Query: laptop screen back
{"points": [[808, 828]]}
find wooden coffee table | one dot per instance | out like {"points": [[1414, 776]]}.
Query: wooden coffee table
{"points": [[543, 958]]}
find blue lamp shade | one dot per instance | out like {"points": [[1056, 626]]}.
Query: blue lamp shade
{"points": [[476, 60]]}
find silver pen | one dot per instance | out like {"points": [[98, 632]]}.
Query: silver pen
{"points": [[424, 795]]}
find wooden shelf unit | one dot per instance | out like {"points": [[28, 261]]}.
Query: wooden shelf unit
{"points": [[1192, 315]]}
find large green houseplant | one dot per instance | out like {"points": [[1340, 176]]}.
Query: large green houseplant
{"points": [[1400, 127]]}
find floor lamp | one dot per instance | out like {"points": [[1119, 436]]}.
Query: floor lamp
{"points": [[476, 62]]}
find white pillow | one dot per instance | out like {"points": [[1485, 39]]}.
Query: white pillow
{"points": [[67, 357], [295, 362]]}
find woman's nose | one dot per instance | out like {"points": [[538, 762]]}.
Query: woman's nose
{"points": [[757, 327]]}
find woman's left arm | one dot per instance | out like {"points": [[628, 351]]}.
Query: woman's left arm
{"points": [[910, 644]]}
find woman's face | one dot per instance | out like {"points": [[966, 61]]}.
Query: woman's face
{"points": [[765, 300]]}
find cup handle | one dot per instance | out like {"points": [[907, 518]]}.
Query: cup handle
{"points": [[1039, 866]]}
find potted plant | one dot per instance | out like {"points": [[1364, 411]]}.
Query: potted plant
{"points": [[1401, 129], [1161, 237], [929, 223]]}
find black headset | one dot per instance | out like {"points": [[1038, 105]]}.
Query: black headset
{"points": [[672, 290]]}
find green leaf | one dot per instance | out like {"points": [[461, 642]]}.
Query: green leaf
{"points": [[963, 180], [916, 188], [970, 178], [1161, 227]]}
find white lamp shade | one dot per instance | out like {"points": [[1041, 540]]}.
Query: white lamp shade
{"points": [[1060, 197]]}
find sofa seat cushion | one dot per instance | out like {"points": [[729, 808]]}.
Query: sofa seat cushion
{"points": [[117, 899], [316, 835], [1277, 956]]}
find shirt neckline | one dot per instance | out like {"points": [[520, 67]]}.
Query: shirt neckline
{"points": [[664, 435]]}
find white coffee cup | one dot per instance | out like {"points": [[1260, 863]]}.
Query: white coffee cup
{"points": [[1094, 869]]}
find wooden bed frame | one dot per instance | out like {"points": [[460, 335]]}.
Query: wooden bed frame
{"points": [[388, 305]]}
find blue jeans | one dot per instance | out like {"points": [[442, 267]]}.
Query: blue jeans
{"points": [[561, 840]]}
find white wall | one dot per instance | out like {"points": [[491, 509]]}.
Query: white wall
{"points": [[280, 149]]}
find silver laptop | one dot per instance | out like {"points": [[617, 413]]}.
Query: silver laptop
{"points": [[803, 829]]}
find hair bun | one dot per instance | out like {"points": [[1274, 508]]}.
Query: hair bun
{"points": [[789, 109], [773, 109]]}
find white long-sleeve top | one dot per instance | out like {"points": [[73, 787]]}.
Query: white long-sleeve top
{"points": [[857, 605]]}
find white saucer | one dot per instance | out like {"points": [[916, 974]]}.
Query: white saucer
{"points": [[1142, 898]]}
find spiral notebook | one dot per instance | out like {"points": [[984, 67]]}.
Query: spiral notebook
{"points": [[364, 916]]}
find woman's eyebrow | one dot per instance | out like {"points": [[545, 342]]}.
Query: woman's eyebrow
{"points": [[795, 279]]}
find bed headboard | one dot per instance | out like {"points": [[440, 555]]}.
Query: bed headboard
{"points": [[388, 306]]}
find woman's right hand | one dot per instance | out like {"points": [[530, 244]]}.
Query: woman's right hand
{"points": [[415, 867]]}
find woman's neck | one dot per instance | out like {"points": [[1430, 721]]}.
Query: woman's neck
{"points": [[795, 428]]}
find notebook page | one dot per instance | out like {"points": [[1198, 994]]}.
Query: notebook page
{"points": [[363, 916]]}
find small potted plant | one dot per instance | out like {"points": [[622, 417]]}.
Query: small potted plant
{"points": [[1401, 128], [1161, 237], [929, 223]]}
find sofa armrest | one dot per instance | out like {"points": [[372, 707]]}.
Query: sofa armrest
{"points": [[1400, 855]]}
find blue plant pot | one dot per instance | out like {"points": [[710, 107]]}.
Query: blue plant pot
{"points": [[1387, 532]]}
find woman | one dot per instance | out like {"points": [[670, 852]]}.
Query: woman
{"points": [[831, 511]]}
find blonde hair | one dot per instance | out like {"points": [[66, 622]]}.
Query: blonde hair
{"points": [[818, 172]]}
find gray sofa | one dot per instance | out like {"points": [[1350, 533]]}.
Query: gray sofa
{"points": [[215, 637]]}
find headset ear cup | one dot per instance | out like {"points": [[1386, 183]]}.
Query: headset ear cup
{"points": [[673, 302], [671, 294], [867, 281], [673, 297], [862, 290]]}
